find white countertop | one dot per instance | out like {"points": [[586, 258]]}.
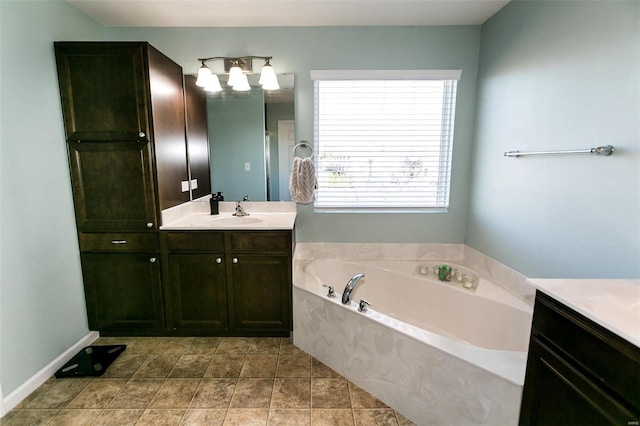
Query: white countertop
{"points": [[196, 215], [612, 303]]}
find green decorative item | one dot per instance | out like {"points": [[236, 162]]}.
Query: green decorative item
{"points": [[444, 273]]}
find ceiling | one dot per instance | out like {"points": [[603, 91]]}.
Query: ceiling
{"points": [[284, 13]]}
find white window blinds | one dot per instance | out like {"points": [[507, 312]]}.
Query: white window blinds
{"points": [[384, 139]]}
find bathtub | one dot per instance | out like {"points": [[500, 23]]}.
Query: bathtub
{"points": [[437, 352]]}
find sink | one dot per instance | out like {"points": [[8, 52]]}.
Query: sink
{"points": [[233, 221], [242, 220]]}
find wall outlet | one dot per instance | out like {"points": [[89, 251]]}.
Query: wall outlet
{"points": [[194, 184], [247, 167], [185, 186]]}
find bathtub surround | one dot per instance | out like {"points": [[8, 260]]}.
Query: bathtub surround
{"points": [[411, 370], [494, 271]]}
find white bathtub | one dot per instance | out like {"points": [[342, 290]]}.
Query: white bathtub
{"points": [[437, 353]]}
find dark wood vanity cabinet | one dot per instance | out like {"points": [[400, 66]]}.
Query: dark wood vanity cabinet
{"points": [[122, 283], [228, 282], [578, 373]]}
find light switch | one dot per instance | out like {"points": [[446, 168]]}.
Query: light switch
{"points": [[185, 186], [247, 167], [194, 184]]}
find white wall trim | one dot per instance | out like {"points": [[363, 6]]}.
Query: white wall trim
{"points": [[24, 390]]}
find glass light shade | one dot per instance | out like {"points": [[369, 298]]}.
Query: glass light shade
{"points": [[268, 78], [213, 85], [204, 75], [236, 76], [242, 84]]}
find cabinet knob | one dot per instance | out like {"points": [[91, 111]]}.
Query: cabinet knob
{"points": [[152, 260], [149, 224], [142, 134], [219, 260], [235, 260]]}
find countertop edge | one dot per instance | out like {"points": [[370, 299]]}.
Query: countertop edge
{"points": [[627, 333]]}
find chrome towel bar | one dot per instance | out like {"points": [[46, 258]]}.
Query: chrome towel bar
{"points": [[601, 150]]}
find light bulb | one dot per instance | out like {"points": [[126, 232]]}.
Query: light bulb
{"points": [[268, 78], [235, 76], [204, 75], [213, 85], [242, 84]]}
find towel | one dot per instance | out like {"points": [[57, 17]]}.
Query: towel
{"points": [[302, 183]]}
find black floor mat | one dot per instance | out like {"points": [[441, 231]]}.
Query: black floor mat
{"points": [[91, 361]]}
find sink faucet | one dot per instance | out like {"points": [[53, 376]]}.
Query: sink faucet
{"points": [[240, 211], [351, 285]]}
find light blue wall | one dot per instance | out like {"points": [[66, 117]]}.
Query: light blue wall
{"points": [[236, 136], [559, 75], [42, 311], [299, 50]]}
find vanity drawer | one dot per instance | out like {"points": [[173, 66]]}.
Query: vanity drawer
{"points": [[195, 241], [118, 242], [268, 241], [593, 349]]}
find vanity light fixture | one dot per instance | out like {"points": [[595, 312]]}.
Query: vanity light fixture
{"points": [[237, 68]]}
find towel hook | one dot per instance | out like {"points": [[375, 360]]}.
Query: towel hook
{"points": [[303, 144]]}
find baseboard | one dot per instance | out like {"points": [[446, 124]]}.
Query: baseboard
{"points": [[15, 397]]}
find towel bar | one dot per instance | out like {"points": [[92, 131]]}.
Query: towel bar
{"points": [[601, 150]]}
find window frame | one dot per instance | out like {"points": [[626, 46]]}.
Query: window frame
{"points": [[448, 75]]}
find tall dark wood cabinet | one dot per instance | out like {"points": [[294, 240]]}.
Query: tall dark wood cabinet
{"points": [[128, 93], [124, 116], [578, 373], [197, 138]]}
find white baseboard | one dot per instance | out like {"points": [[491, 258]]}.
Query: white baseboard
{"points": [[15, 397]]}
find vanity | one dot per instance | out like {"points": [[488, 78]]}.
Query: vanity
{"points": [[155, 262], [229, 275], [583, 365]]}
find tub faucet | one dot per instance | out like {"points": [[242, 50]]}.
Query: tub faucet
{"points": [[351, 285]]}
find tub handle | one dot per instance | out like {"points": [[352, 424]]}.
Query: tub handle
{"points": [[362, 307], [331, 292]]}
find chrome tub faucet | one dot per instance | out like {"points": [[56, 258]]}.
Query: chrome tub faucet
{"points": [[351, 285]]}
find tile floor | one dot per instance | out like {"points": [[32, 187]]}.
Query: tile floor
{"points": [[205, 381]]}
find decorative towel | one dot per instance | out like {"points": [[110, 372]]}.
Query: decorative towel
{"points": [[302, 183]]}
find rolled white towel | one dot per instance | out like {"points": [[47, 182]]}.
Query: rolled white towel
{"points": [[302, 183]]}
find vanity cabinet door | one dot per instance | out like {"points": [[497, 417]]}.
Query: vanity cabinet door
{"points": [[112, 186], [123, 293], [578, 372], [104, 91], [261, 288], [197, 292], [558, 393]]}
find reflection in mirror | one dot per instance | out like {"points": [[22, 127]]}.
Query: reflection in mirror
{"points": [[251, 139]]}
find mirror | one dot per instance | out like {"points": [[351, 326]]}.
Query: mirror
{"points": [[251, 139]]}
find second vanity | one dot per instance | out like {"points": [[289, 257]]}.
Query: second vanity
{"points": [[228, 275]]}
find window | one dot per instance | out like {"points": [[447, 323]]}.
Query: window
{"points": [[384, 139]]}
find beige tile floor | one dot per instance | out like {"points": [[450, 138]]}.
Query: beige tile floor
{"points": [[205, 381]]}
